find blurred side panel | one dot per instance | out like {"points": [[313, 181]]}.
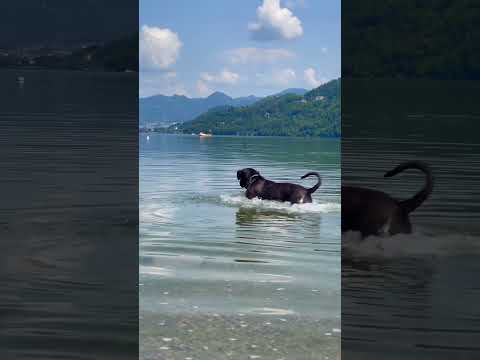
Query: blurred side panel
{"points": [[69, 180], [410, 89]]}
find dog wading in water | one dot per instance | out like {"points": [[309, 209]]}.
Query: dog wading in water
{"points": [[258, 186], [374, 212]]}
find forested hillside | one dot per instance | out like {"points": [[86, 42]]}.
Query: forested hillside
{"points": [[317, 113]]}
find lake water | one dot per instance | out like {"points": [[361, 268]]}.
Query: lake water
{"points": [[226, 277], [68, 215], [414, 296]]}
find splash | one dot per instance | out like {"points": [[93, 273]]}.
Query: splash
{"points": [[419, 243], [241, 201]]}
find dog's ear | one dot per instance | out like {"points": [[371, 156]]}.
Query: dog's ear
{"points": [[253, 172], [242, 177], [243, 180]]}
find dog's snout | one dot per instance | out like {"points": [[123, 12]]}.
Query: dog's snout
{"points": [[238, 175]]}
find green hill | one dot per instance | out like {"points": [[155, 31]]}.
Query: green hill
{"points": [[427, 39], [116, 55], [317, 113], [161, 109]]}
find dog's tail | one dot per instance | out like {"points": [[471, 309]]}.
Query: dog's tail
{"points": [[317, 185], [411, 204]]}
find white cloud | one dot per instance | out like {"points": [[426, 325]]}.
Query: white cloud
{"points": [[282, 77], [164, 83], [225, 77], [207, 80], [158, 48], [311, 79], [256, 55], [203, 89], [275, 22]]}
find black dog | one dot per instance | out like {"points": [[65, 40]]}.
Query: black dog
{"points": [[258, 186], [373, 212]]}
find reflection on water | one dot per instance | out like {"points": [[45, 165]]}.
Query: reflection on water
{"points": [[224, 276], [252, 216]]}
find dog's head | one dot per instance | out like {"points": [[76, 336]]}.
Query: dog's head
{"points": [[244, 176]]}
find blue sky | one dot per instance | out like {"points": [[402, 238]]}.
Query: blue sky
{"points": [[248, 47]]}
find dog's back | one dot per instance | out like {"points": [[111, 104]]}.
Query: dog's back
{"points": [[374, 212], [296, 194]]}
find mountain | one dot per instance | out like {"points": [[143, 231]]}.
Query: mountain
{"points": [[116, 55], [296, 91], [218, 98], [166, 110], [316, 113]]}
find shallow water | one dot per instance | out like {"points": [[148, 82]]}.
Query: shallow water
{"points": [[232, 267]]}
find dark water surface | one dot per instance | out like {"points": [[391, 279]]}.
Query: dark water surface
{"points": [[226, 277], [414, 296], [68, 215]]}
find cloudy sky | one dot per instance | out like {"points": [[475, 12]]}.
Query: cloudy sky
{"points": [[254, 47]]}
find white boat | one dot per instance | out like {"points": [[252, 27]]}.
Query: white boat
{"points": [[202, 134]]}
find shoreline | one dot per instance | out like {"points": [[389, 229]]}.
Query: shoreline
{"points": [[59, 69], [240, 136]]}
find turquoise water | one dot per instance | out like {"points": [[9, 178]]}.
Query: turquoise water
{"points": [[226, 277]]}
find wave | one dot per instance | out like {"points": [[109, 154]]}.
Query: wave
{"points": [[154, 214], [420, 243], [242, 201], [155, 270]]}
